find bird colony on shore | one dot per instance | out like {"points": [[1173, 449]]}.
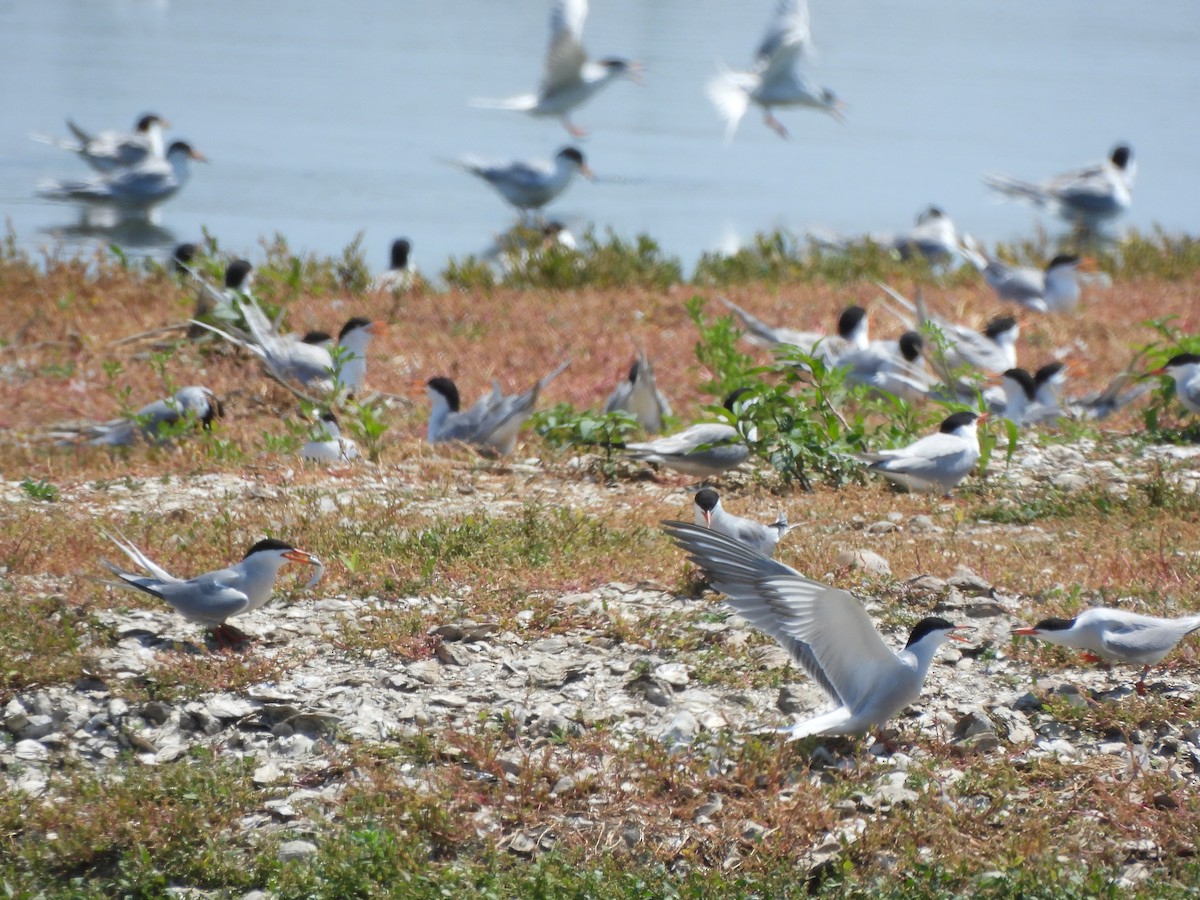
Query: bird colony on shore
{"points": [[824, 629]]}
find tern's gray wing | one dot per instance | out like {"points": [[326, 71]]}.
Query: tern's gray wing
{"points": [[843, 651], [565, 57], [785, 40], [527, 176], [209, 599]]}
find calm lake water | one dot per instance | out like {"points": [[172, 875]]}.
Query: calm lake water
{"points": [[325, 119]]}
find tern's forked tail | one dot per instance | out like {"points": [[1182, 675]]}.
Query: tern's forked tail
{"points": [[1017, 189]]}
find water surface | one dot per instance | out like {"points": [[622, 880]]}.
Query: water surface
{"points": [[323, 119]]}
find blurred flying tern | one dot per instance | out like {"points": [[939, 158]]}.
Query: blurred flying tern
{"points": [[825, 630], [530, 184], [759, 538], [774, 79], [570, 79], [212, 598]]}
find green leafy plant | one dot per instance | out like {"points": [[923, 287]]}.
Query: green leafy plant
{"points": [[42, 491], [563, 425], [365, 422]]}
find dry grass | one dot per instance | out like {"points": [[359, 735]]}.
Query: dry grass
{"points": [[498, 539]]}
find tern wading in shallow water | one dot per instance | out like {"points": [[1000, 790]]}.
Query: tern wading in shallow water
{"points": [[825, 630], [137, 189], [212, 598]]}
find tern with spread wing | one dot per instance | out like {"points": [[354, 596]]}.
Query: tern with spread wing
{"points": [[212, 598], [992, 350], [774, 79], [1088, 197], [825, 630], [1116, 636], [570, 79], [491, 426], [111, 151], [759, 538]]}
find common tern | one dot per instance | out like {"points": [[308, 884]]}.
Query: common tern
{"points": [[1053, 289], [1116, 635], [704, 450], [890, 367], [327, 443], [1184, 370], [992, 350], [934, 237], [491, 426], [936, 462], [530, 184], [1024, 404], [214, 597], [401, 274], [136, 189], [309, 361], [112, 151], [759, 538], [774, 79], [639, 396], [570, 79], [158, 422], [852, 334], [825, 630], [1089, 196]]}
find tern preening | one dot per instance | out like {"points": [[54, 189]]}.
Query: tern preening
{"points": [[758, 537], [937, 462], [570, 79], [111, 151], [491, 426], [1089, 196], [825, 630], [139, 188], [639, 396], [1116, 636], [530, 184], [774, 79], [214, 597]]}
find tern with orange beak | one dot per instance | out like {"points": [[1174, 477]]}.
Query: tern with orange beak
{"points": [[212, 598], [1116, 636], [759, 538], [825, 630]]}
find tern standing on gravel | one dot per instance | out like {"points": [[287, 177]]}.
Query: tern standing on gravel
{"points": [[759, 538], [937, 462]]}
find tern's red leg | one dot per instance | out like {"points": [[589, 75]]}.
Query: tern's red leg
{"points": [[776, 125]]}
